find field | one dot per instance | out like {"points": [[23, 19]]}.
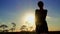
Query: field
{"points": [[25, 32]]}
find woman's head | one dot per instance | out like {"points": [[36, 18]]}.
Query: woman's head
{"points": [[40, 4]]}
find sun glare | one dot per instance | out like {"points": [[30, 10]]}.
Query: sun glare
{"points": [[30, 19]]}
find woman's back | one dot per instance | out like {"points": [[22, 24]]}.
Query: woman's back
{"points": [[40, 17], [41, 14]]}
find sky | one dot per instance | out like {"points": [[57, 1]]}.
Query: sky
{"points": [[16, 11]]}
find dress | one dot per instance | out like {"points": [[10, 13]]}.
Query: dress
{"points": [[41, 24]]}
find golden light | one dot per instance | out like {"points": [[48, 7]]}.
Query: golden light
{"points": [[30, 21], [30, 18]]}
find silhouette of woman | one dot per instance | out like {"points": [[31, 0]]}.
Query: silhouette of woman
{"points": [[40, 16]]}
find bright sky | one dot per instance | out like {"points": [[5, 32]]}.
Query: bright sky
{"points": [[16, 11]]}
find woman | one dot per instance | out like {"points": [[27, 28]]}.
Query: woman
{"points": [[40, 15]]}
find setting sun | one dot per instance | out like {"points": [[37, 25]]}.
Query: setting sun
{"points": [[30, 19]]}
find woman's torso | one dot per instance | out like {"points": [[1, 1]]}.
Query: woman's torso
{"points": [[41, 16]]}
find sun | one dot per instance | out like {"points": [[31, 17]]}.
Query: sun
{"points": [[30, 19]]}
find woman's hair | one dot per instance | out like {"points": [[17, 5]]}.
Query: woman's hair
{"points": [[40, 4]]}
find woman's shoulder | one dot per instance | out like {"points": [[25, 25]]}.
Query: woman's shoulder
{"points": [[45, 9], [37, 10]]}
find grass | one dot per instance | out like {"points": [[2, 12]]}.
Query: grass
{"points": [[27, 32]]}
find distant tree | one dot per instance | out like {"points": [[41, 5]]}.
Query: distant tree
{"points": [[13, 27], [3, 27], [23, 28]]}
